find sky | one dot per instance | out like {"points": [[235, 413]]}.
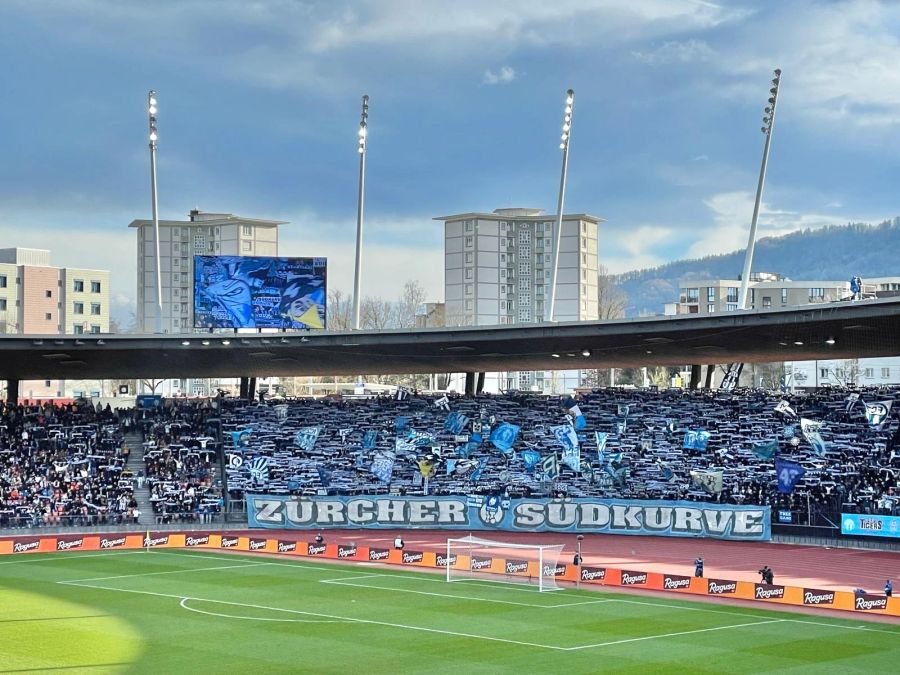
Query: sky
{"points": [[259, 104]]}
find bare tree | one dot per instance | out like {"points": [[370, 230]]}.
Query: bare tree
{"points": [[340, 310], [610, 298], [413, 295], [152, 384], [376, 314]]}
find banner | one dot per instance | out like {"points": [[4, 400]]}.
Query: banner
{"points": [[659, 518], [870, 526]]}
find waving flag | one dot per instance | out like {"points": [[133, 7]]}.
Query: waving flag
{"points": [[426, 468], [877, 413], [281, 412], [419, 438], [402, 394], [476, 474], [708, 480], [504, 436], [811, 432], [550, 467], [665, 469], [766, 451], [305, 438], [400, 424], [383, 466], [571, 457], [851, 400], [615, 468], [696, 439], [443, 403], [404, 447], [235, 461], [785, 408], [259, 469], [324, 475], [369, 439], [601, 438], [450, 465], [455, 423], [787, 473], [622, 409], [241, 438], [530, 458], [575, 413], [565, 436]]}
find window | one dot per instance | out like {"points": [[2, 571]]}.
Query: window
{"points": [[502, 242], [469, 241], [246, 246], [2, 304], [174, 231], [78, 329], [247, 230], [468, 289], [469, 305], [584, 258], [78, 308], [583, 242], [767, 301], [546, 257], [752, 297], [175, 292], [95, 287], [710, 309], [176, 277], [502, 226], [784, 296], [692, 294], [469, 226], [95, 329], [502, 289], [732, 294], [885, 372], [711, 294], [731, 307], [469, 273], [78, 286], [470, 256], [48, 294], [48, 316], [502, 257], [95, 308], [502, 274], [868, 373], [176, 261], [2, 281], [816, 294], [823, 373]]}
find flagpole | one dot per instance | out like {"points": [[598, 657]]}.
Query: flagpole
{"points": [[768, 127]]}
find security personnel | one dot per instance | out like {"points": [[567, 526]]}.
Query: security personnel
{"points": [[888, 588], [698, 568]]}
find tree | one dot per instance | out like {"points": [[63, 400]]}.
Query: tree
{"points": [[611, 299], [376, 314], [412, 297], [152, 384], [340, 310]]}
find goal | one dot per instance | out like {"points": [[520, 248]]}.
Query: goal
{"points": [[474, 558]]}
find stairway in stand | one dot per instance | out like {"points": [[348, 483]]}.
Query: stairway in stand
{"points": [[135, 464]]}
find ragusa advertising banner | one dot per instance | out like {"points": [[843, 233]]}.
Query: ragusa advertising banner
{"points": [[660, 518], [871, 526]]}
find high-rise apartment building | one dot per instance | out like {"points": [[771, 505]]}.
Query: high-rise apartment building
{"points": [[179, 241], [498, 269], [37, 298]]}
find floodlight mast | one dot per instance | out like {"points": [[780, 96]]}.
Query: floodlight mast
{"points": [[767, 128], [151, 118], [361, 148], [557, 235]]}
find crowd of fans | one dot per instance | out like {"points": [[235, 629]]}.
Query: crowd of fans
{"points": [[67, 465]]}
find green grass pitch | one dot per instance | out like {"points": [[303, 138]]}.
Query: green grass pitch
{"points": [[205, 612]]}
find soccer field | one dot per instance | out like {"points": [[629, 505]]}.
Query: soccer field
{"points": [[203, 612]]}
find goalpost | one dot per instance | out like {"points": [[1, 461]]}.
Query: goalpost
{"points": [[475, 558]]}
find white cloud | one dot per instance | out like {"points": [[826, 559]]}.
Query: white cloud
{"points": [[689, 51], [731, 214], [505, 75], [623, 250]]}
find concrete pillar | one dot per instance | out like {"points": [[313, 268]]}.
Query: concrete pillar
{"points": [[480, 386], [12, 391], [470, 384], [696, 369]]}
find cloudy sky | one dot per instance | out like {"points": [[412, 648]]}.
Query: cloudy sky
{"points": [[259, 104]]}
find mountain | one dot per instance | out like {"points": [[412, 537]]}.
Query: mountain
{"points": [[830, 253]]}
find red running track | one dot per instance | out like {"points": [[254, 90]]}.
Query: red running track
{"points": [[810, 566]]}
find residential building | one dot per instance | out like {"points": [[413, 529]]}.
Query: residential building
{"points": [[430, 315], [38, 298], [179, 241], [497, 270]]}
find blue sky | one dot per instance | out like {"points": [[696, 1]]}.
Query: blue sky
{"points": [[259, 104]]}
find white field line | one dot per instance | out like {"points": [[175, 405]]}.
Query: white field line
{"points": [[55, 555], [76, 582], [325, 616], [339, 582], [184, 605], [666, 635], [353, 578]]}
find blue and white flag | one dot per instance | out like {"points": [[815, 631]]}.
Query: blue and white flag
{"points": [[235, 461], [504, 437], [851, 400], [708, 480], [443, 403], [696, 439], [665, 469], [787, 473], [401, 394], [531, 458], [615, 467], [571, 457], [450, 465], [575, 414], [476, 474], [766, 451], [241, 438], [565, 436], [622, 409], [877, 413], [601, 438], [811, 432], [550, 467], [324, 475], [259, 469], [305, 438], [784, 407], [419, 438], [621, 427], [281, 412], [455, 423], [404, 447], [383, 466], [369, 439], [400, 424]]}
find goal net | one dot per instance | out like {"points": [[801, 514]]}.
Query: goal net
{"points": [[475, 558]]}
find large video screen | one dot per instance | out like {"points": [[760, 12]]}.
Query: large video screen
{"points": [[239, 292]]}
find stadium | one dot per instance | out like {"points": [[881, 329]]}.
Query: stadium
{"points": [[550, 467]]}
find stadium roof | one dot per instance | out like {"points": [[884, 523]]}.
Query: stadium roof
{"points": [[839, 330]]}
